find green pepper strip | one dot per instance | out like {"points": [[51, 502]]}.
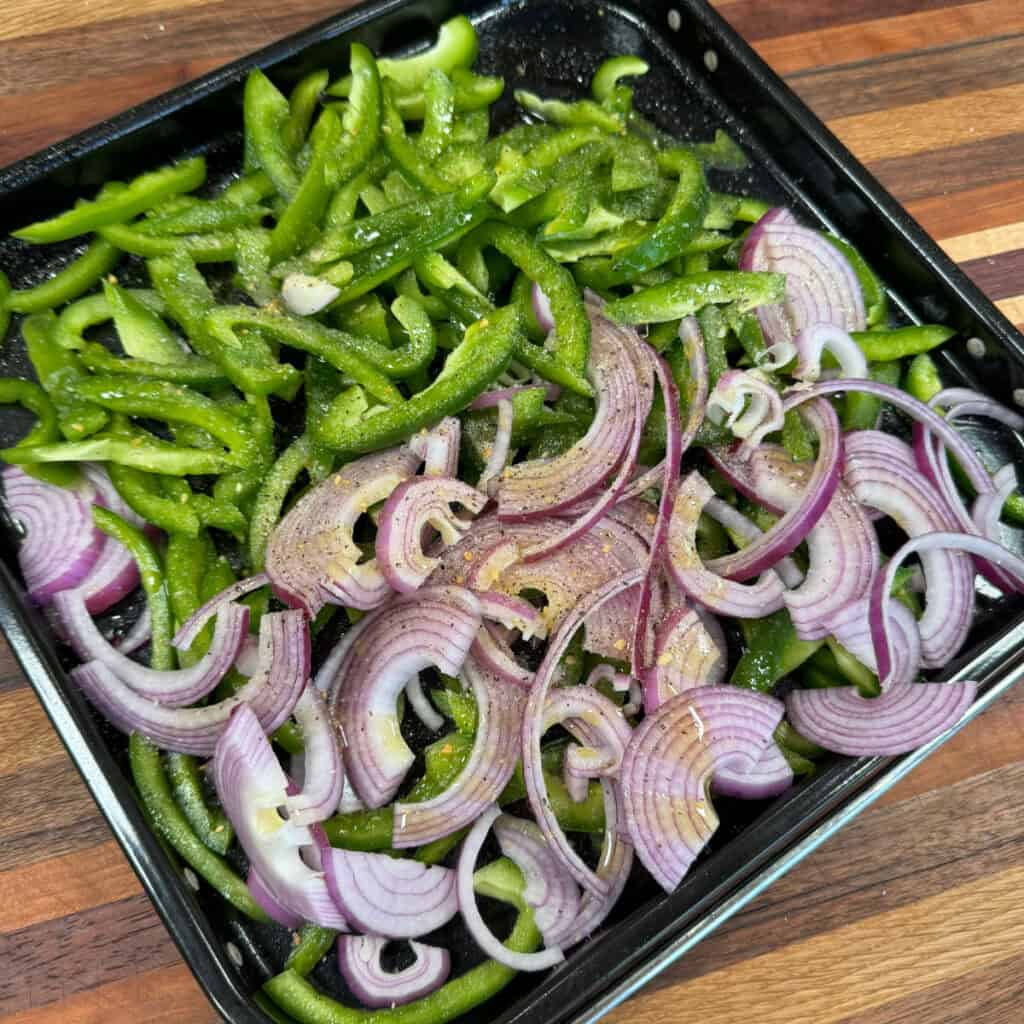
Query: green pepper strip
{"points": [[876, 301], [684, 296], [142, 494], [462, 210], [202, 248], [302, 104], [414, 164], [473, 94], [361, 122], [298, 997], [76, 319], [477, 362], [456, 47], [438, 114], [186, 564], [681, 221], [608, 74], [299, 224], [378, 229], [75, 279], [169, 822], [151, 456], [194, 371], [335, 347], [265, 112], [314, 943], [252, 260], [203, 217], [572, 327], [269, 501], [249, 189], [582, 113], [247, 360], [61, 373], [144, 192], [210, 824], [172, 403], [861, 411], [773, 651], [32, 397], [142, 333], [923, 380], [885, 346]]}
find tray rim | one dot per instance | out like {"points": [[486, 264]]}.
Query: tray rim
{"points": [[180, 913]]}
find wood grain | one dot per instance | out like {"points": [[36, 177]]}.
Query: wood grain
{"points": [[913, 913]]}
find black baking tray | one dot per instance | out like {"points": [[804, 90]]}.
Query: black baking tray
{"points": [[703, 76]]}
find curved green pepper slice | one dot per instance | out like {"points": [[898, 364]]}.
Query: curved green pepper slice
{"points": [[265, 112], [119, 205], [75, 279], [901, 341], [483, 355]]}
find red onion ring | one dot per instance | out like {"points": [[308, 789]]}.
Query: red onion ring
{"points": [[411, 508], [252, 786], [434, 627], [790, 531], [815, 339], [770, 776], [359, 960], [687, 655], [439, 448], [323, 777], [312, 559], [669, 763], [382, 895], [487, 771], [749, 406], [501, 448]]}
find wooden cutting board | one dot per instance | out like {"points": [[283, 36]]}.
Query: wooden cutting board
{"points": [[915, 913]]}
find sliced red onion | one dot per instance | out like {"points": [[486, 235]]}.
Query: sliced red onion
{"points": [[776, 356], [736, 522], [598, 883], [851, 627], [966, 402], [610, 631], [642, 641], [686, 655], [748, 405], [270, 695], [359, 960], [489, 399], [815, 339], [821, 286], [322, 774], [482, 935], [988, 508], [621, 372], [434, 627], [413, 507], [248, 661], [903, 718], [550, 891], [596, 722], [172, 687], [500, 450], [697, 386], [260, 892], [138, 635], [888, 484], [193, 625], [622, 682], [512, 612], [499, 708], [881, 628], [797, 522], [252, 788], [399, 899], [312, 559], [669, 762], [60, 544], [494, 655], [769, 776], [542, 308], [720, 595], [574, 571], [116, 573], [439, 447], [842, 546], [421, 706]]}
